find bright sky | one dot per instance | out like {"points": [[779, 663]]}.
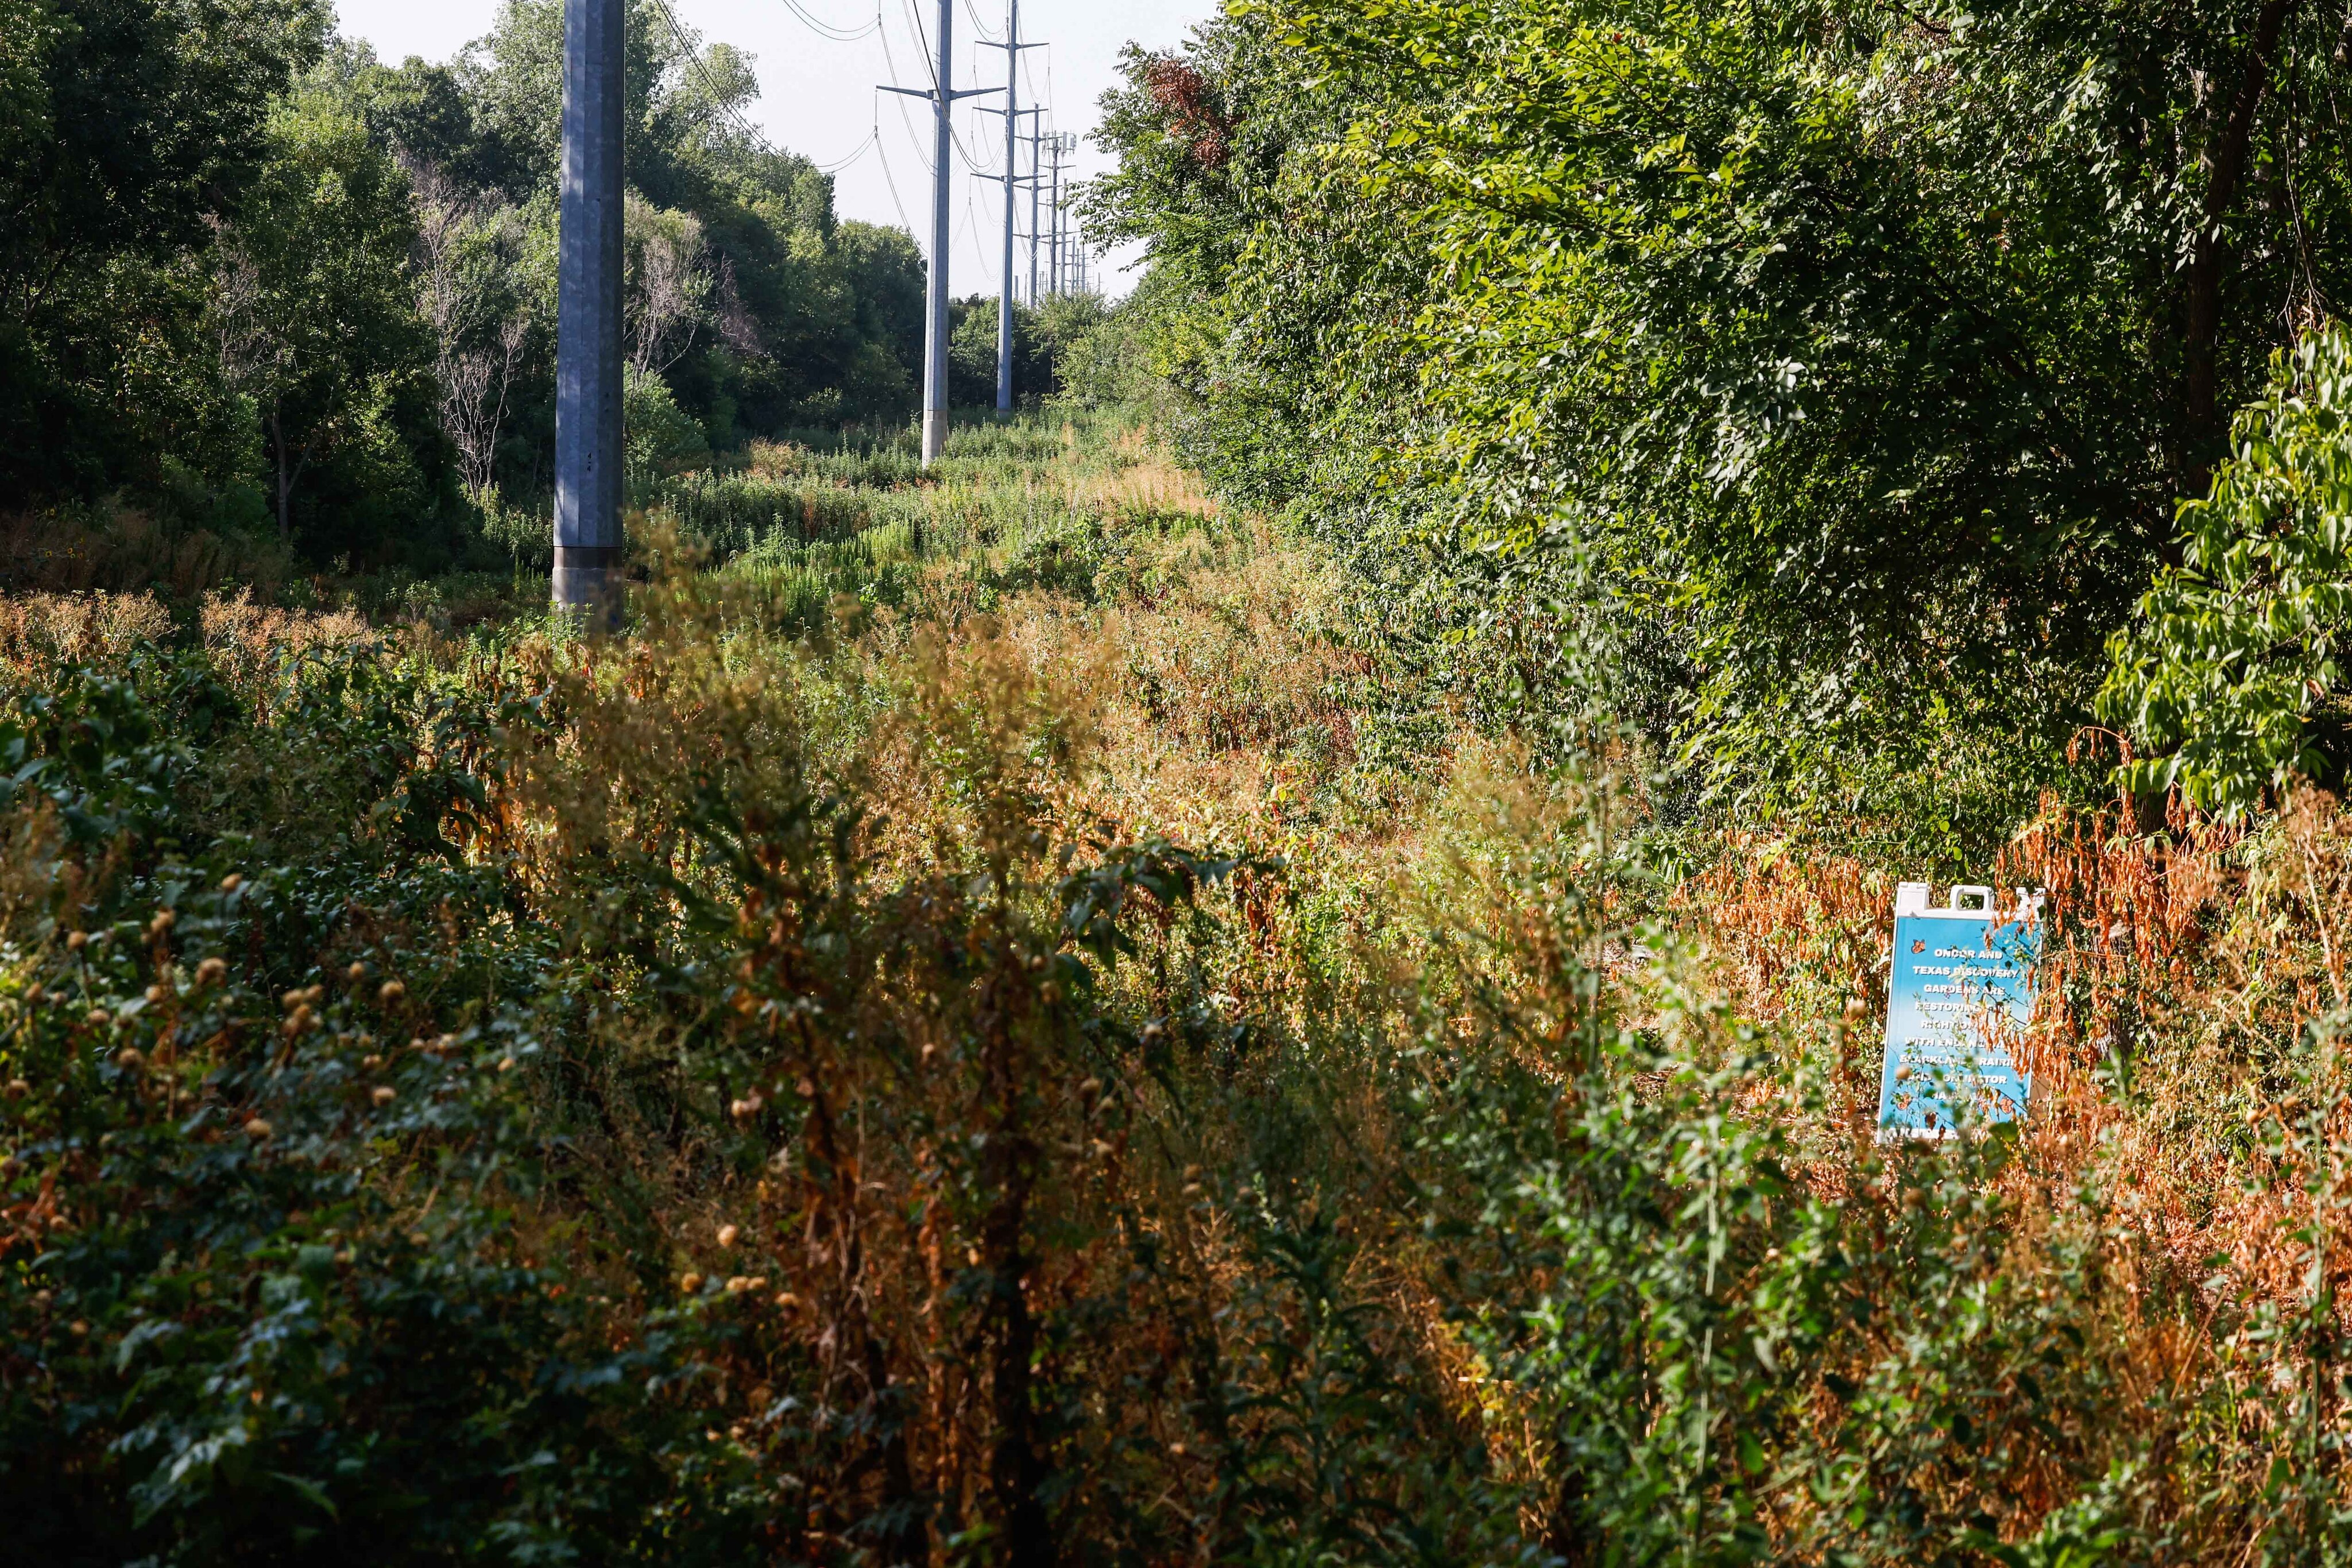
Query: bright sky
{"points": [[817, 96]]}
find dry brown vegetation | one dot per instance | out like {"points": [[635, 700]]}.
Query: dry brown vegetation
{"points": [[1062, 1084], [124, 549]]}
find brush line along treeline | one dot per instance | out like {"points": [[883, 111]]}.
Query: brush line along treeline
{"points": [[1057, 1063], [1815, 382]]}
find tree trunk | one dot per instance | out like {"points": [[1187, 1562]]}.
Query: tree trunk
{"points": [[905, 1541], [285, 479], [1009, 1170], [1016, 1469], [2209, 256]]}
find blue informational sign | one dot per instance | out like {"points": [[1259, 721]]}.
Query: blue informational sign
{"points": [[1962, 989]]}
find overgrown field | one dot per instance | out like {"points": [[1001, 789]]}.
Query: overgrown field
{"points": [[992, 1026]]}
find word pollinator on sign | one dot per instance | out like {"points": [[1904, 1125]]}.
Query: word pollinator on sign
{"points": [[1962, 990]]}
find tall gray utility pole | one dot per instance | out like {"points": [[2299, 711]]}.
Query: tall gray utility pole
{"points": [[1036, 183], [1053, 210], [943, 96], [1013, 46], [588, 542]]}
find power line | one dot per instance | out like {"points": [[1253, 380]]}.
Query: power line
{"points": [[987, 170], [724, 110], [836, 167], [826, 30], [890, 181], [719, 101], [891, 61], [915, 25], [915, 31], [923, 53], [921, 156]]}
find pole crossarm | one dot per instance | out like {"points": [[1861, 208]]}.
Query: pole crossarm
{"points": [[928, 96]]}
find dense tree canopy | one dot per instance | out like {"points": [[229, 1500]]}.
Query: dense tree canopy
{"points": [[257, 278], [133, 126], [1840, 364]]}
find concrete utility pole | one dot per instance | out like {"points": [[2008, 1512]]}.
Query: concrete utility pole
{"points": [[588, 542], [1054, 209], [1013, 46], [935, 334], [1036, 183]]}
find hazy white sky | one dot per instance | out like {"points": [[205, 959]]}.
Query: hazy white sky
{"points": [[818, 98]]}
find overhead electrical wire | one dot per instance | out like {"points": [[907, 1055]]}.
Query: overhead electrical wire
{"points": [[899, 98], [930, 69], [877, 28], [890, 181], [915, 27], [836, 167], [826, 30], [986, 171], [719, 101], [970, 220]]}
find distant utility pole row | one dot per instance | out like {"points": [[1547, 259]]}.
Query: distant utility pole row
{"points": [[1061, 275], [1012, 46], [942, 95], [588, 434], [1062, 245]]}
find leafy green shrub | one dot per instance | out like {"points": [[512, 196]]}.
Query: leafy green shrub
{"points": [[265, 1291], [753, 1091], [659, 437], [2237, 649]]}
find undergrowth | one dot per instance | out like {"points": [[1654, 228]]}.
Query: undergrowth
{"points": [[995, 1051]]}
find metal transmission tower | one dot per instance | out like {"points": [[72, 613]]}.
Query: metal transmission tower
{"points": [[1012, 46], [588, 543], [935, 335]]}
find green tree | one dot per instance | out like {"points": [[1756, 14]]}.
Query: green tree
{"points": [[1043, 337], [1856, 350], [318, 323], [887, 282], [128, 128], [2239, 649], [1093, 352], [802, 319], [28, 34], [418, 110]]}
